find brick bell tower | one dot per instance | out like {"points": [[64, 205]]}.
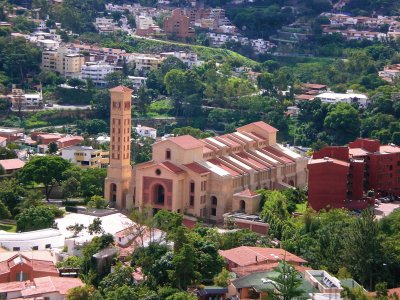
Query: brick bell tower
{"points": [[119, 171]]}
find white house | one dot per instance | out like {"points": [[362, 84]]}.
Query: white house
{"points": [[32, 240], [97, 73], [145, 131], [349, 97]]}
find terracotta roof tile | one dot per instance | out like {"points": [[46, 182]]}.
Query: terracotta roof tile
{"points": [[246, 193], [13, 286], [51, 284], [247, 256], [186, 142], [195, 167], [260, 124], [12, 164], [171, 167]]}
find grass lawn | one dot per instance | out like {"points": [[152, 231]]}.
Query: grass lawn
{"points": [[301, 207], [8, 227]]}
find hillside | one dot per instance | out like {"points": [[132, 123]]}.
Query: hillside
{"points": [[142, 45]]}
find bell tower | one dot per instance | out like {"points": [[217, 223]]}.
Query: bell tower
{"points": [[119, 171]]}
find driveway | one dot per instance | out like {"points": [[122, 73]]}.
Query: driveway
{"points": [[385, 209]]}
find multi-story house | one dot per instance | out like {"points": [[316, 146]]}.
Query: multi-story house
{"points": [[205, 178], [63, 61], [105, 25], [85, 157], [97, 73]]}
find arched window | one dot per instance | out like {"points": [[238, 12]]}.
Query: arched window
{"points": [[168, 154], [113, 192], [242, 205], [159, 194], [214, 200]]}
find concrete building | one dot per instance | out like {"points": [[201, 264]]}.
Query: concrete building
{"points": [[97, 73], [178, 25], [85, 157], [137, 81], [32, 240], [198, 177], [342, 176], [147, 62], [349, 97], [26, 265], [21, 100], [105, 25], [63, 61], [145, 131]]}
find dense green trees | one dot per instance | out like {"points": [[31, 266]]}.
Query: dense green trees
{"points": [[39, 217], [47, 170]]}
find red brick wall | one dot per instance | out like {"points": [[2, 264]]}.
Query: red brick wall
{"points": [[341, 153], [327, 185]]}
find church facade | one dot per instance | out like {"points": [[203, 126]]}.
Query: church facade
{"points": [[200, 177]]}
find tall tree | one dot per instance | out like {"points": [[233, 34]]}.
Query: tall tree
{"points": [[47, 170], [364, 254], [286, 285]]}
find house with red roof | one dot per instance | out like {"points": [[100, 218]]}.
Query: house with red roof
{"points": [[199, 177], [246, 259], [22, 266], [49, 288], [11, 165]]}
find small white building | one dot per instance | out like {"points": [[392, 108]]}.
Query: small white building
{"points": [[145, 131], [144, 22], [32, 240], [137, 81], [97, 73], [349, 97]]}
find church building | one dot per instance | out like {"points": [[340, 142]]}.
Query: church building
{"points": [[200, 177]]}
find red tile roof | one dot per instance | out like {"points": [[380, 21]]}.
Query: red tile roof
{"points": [[260, 124], [70, 138], [171, 167], [304, 97], [247, 256], [225, 167], [121, 89], [279, 154], [314, 86], [195, 167], [13, 286], [50, 284], [186, 142], [247, 193], [12, 164]]}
